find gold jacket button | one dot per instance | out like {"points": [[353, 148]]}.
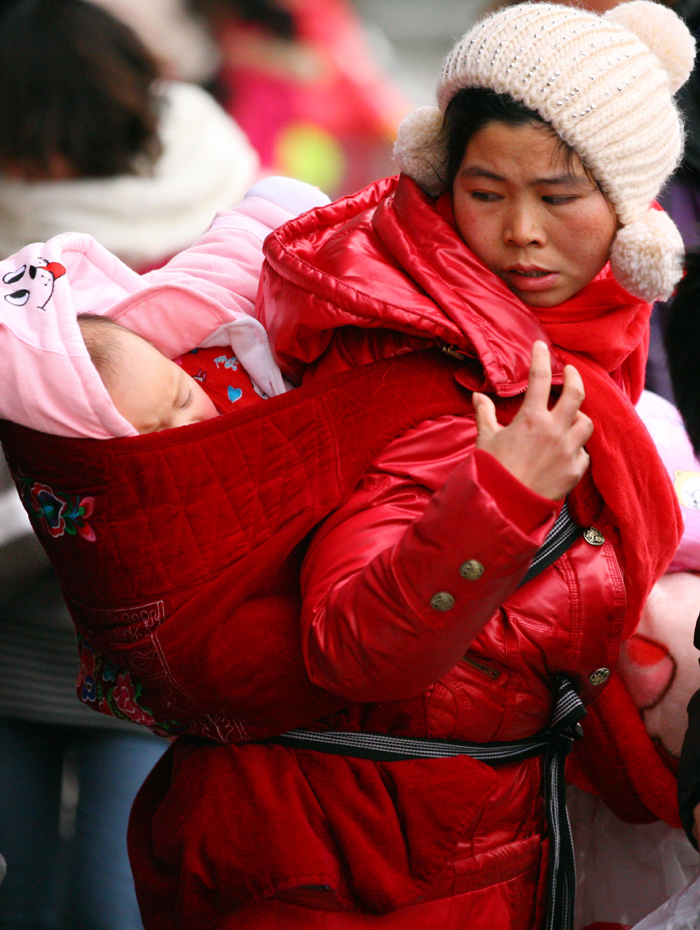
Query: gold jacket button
{"points": [[599, 676], [443, 600], [593, 536], [471, 570]]}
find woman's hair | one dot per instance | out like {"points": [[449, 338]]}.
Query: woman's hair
{"points": [[106, 351], [682, 340], [77, 87], [472, 109]]}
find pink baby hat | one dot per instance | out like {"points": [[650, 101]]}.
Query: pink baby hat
{"points": [[47, 380]]}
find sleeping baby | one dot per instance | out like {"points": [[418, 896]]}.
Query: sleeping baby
{"points": [[153, 392], [90, 349]]}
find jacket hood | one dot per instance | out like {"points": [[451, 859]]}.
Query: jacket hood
{"points": [[371, 260]]}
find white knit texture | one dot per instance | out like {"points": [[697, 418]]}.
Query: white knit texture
{"points": [[604, 83], [416, 149], [647, 256], [655, 25]]}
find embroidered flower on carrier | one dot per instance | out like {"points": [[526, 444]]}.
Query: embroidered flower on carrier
{"points": [[124, 696], [86, 683], [55, 511], [104, 708], [112, 691], [49, 507], [88, 691]]}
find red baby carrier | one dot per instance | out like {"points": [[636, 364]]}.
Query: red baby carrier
{"points": [[179, 552]]}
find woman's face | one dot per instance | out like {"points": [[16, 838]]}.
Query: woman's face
{"points": [[536, 220]]}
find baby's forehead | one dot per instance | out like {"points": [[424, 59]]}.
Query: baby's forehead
{"points": [[126, 341], [118, 352], [133, 339]]}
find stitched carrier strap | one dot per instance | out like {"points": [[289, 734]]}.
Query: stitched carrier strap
{"points": [[555, 743]]}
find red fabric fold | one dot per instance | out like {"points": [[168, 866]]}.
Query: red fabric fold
{"points": [[427, 283], [603, 331], [634, 782]]}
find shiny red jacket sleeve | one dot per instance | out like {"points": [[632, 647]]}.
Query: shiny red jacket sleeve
{"points": [[372, 627]]}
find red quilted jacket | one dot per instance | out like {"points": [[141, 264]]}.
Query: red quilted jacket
{"points": [[265, 836]]}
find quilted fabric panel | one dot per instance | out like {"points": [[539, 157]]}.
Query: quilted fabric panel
{"points": [[185, 572]]}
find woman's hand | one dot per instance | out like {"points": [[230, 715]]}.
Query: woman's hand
{"points": [[544, 449]]}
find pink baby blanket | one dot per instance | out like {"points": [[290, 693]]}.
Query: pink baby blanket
{"points": [[204, 296]]}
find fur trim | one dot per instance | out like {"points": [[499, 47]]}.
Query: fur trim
{"points": [[662, 32], [647, 256], [417, 152]]}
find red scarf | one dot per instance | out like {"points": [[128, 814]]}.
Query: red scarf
{"points": [[603, 330], [450, 296]]}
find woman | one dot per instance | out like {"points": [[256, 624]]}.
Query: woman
{"points": [[523, 216]]}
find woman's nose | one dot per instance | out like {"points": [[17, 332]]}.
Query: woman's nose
{"points": [[523, 228]]}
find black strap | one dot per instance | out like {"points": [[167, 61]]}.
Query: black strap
{"points": [[555, 742], [561, 537], [404, 748], [565, 728]]}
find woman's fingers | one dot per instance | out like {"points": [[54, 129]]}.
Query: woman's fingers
{"points": [[542, 448], [581, 429], [582, 463], [572, 396], [540, 379], [486, 423]]}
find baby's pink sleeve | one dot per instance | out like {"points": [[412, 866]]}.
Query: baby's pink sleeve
{"points": [[206, 295]]}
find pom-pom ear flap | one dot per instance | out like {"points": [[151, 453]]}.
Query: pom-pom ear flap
{"points": [[418, 151], [647, 256]]}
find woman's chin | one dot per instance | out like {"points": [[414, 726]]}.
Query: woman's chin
{"points": [[539, 299]]}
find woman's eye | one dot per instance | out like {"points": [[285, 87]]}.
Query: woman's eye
{"points": [[556, 201], [485, 196]]}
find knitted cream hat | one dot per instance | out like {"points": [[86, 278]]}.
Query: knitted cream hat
{"points": [[606, 85]]}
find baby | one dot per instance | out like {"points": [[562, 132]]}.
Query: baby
{"points": [[102, 380], [154, 393]]}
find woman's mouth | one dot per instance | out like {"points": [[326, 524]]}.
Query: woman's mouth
{"points": [[530, 279]]}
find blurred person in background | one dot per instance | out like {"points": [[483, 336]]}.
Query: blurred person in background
{"points": [[301, 80], [681, 200], [180, 43], [67, 864], [94, 141], [682, 344]]}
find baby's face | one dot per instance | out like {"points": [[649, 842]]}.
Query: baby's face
{"points": [[152, 392]]}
